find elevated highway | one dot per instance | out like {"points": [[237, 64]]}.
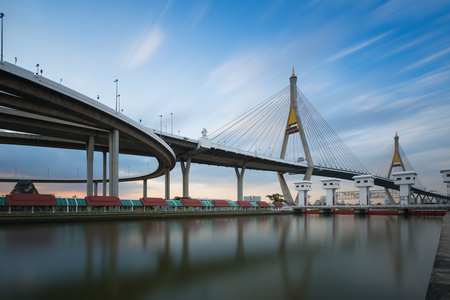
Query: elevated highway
{"points": [[35, 105], [48, 114]]}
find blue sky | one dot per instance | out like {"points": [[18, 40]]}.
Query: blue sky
{"points": [[371, 68]]}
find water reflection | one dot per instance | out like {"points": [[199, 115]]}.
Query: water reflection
{"points": [[266, 257]]}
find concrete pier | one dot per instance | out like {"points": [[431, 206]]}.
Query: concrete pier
{"points": [[439, 286]]}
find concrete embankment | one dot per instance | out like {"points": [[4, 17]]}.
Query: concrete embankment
{"points": [[439, 286], [14, 219]]}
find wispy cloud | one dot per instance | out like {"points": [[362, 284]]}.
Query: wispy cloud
{"points": [[356, 48], [411, 44], [426, 60], [401, 10], [235, 73], [199, 10], [402, 94], [144, 47]]}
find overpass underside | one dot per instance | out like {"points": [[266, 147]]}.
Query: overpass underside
{"points": [[52, 115]]}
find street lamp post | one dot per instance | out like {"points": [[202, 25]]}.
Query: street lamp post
{"points": [[117, 90], [160, 124], [1, 17], [171, 123]]}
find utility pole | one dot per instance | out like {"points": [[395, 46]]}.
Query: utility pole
{"points": [[1, 17], [117, 90]]}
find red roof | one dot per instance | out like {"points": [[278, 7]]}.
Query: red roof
{"points": [[30, 200], [221, 203], [244, 204], [278, 204], [262, 204], [103, 201], [292, 204], [154, 202], [191, 202]]}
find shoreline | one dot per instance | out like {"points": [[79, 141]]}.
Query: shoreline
{"points": [[22, 219]]}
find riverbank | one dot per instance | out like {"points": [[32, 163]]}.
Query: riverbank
{"points": [[80, 217], [439, 285]]}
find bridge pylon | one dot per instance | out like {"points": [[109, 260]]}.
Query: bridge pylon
{"points": [[396, 162], [294, 125]]}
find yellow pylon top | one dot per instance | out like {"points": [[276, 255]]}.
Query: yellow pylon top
{"points": [[293, 73]]}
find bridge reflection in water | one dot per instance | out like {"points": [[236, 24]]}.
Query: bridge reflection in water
{"points": [[259, 257]]}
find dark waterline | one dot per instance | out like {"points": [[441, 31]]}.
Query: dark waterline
{"points": [[256, 257]]}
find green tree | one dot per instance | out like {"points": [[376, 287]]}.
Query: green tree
{"points": [[276, 198]]}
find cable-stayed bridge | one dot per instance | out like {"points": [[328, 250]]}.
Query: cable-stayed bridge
{"points": [[284, 134]]}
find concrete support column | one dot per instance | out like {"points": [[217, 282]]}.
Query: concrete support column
{"points": [[167, 183], [405, 180], [364, 183], [303, 187], [331, 185], [95, 188], [104, 172], [144, 187], [284, 187], [114, 163], [364, 196], [185, 168], [331, 197], [110, 162], [240, 182], [90, 166]]}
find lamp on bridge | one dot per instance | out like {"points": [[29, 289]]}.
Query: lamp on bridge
{"points": [[364, 182], [303, 187], [405, 180], [331, 185]]}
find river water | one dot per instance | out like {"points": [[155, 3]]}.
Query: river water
{"points": [[255, 257]]}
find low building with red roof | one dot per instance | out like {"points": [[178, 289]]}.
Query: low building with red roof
{"points": [[23, 201], [244, 204], [278, 203], [262, 204], [104, 201], [30, 200], [191, 203], [221, 203], [154, 202]]}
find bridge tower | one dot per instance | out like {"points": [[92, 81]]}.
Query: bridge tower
{"points": [[396, 162], [294, 125], [397, 159]]}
